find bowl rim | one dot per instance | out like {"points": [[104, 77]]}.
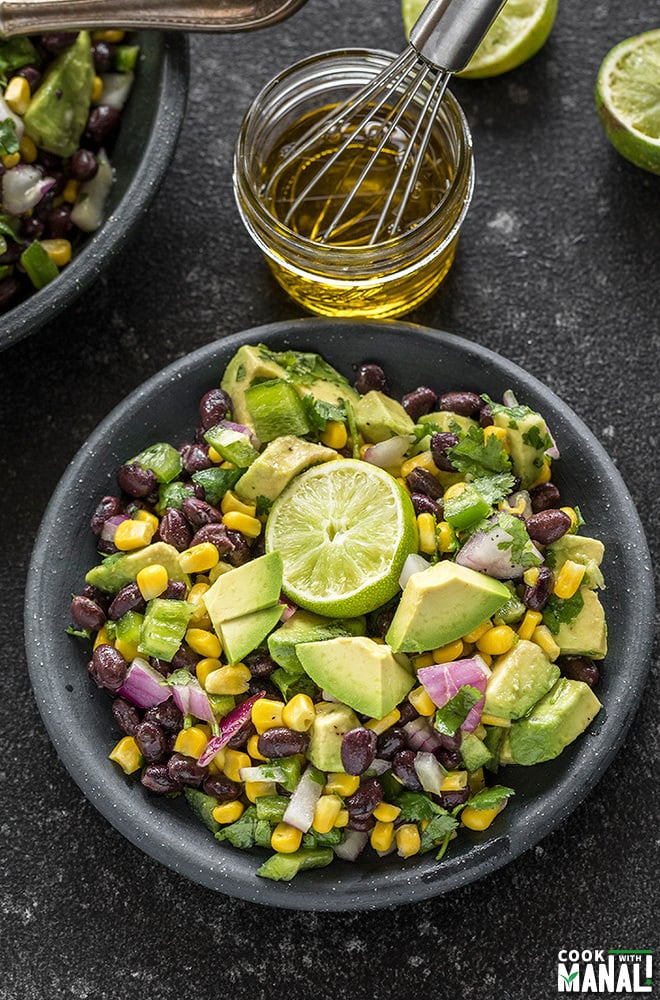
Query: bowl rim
{"points": [[169, 838], [109, 241]]}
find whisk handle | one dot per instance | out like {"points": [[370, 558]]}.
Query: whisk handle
{"points": [[447, 32]]}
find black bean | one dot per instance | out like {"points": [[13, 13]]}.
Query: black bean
{"points": [[126, 716], [449, 800], [195, 458], [31, 74], [32, 228], [240, 550], [156, 779], [282, 742], [419, 402], [536, 597], [151, 741], [9, 288], [58, 222], [403, 767], [136, 481], [86, 613], [98, 596], [259, 663], [57, 41], [370, 377], [368, 796], [465, 403], [240, 738], [167, 715], [358, 749], [408, 713], [175, 530], [450, 759], [218, 535], [263, 686], [175, 591], [127, 599], [200, 513], [380, 621], [543, 496], [108, 507], [363, 824], [422, 504], [547, 526], [186, 770], [221, 787], [103, 56], [422, 481], [101, 125], [579, 668], [185, 659], [83, 165], [486, 416], [214, 406], [108, 667], [391, 742], [441, 441]]}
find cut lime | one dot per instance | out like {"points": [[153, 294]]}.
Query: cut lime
{"points": [[516, 34], [344, 530], [628, 99]]}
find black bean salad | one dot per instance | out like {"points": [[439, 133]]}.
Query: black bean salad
{"points": [[329, 618], [60, 107]]}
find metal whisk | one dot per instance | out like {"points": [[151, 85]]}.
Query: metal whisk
{"points": [[411, 88]]}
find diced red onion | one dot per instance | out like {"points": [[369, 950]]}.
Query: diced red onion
{"points": [[23, 187], [352, 845], [192, 699], [430, 772], [509, 398], [270, 773], [231, 425], [553, 450], [229, 726], [488, 550], [414, 563], [300, 810], [116, 88], [143, 685], [421, 735], [378, 766], [444, 680], [389, 453], [110, 526], [288, 608]]}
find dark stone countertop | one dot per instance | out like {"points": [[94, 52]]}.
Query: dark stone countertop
{"points": [[558, 269]]}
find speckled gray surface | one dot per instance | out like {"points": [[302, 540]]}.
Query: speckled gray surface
{"points": [[558, 268]]}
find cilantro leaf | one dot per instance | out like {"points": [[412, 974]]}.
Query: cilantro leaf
{"points": [[535, 439], [516, 414], [490, 798], [451, 716], [476, 455], [558, 612], [416, 807], [523, 552], [263, 505], [438, 829], [303, 367], [318, 412], [8, 137], [494, 488]]}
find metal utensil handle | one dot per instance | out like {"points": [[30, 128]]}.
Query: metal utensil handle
{"points": [[21, 17], [447, 32]]}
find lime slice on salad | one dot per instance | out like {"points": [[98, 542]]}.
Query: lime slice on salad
{"points": [[628, 99], [518, 32], [344, 530]]}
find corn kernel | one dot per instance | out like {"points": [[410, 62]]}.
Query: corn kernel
{"points": [[544, 474], [451, 651], [477, 632], [59, 252], [219, 569], [426, 532], [454, 490], [215, 456], [10, 160], [110, 35], [199, 558], [495, 720], [71, 191], [445, 536], [422, 461], [529, 623], [27, 149], [531, 576], [18, 94], [571, 512], [228, 812], [454, 781], [499, 433], [253, 748], [569, 579], [285, 839], [133, 535], [379, 726], [544, 638], [146, 515], [382, 836], [199, 615], [267, 713], [245, 523], [234, 679], [342, 784], [420, 700], [127, 754], [101, 637], [334, 435], [480, 819], [386, 812], [343, 817], [191, 742], [234, 761], [127, 649], [205, 643], [216, 765], [254, 789], [299, 714], [205, 667], [326, 811], [423, 660], [152, 581], [403, 484], [231, 502], [497, 640], [487, 658], [408, 840], [97, 89]]}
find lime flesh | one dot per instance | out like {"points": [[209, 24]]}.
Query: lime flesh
{"points": [[343, 530]]}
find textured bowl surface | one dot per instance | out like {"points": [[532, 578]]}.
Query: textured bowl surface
{"points": [[78, 716], [145, 144]]}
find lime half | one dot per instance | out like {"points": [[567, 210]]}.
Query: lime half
{"points": [[343, 530], [628, 99], [516, 34]]}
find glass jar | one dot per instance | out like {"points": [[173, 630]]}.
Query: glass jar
{"points": [[389, 277]]}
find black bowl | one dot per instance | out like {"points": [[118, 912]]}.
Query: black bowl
{"points": [[145, 144], [78, 717]]}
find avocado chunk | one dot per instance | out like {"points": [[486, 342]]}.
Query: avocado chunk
{"points": [[441, 604], [278, 463], [251, 587], [361, 673], [305, 626], [379, 417], [239, 636], [518, 680], [586, 633], [474, 752], [554, 722], [114, 573], [580, 549], [527, 440], [331, 721], [445, 420], [57, 114]]}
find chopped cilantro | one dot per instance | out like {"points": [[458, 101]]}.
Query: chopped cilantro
{"points": [[490, 798], [451, 716], [8, 137], [240, 373], [558, 612], [263, 505], [494, 488], [523, 552], [477, 456], [303, 367], [440, 827], [416, 807], [318, 412], [535, 439]]}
